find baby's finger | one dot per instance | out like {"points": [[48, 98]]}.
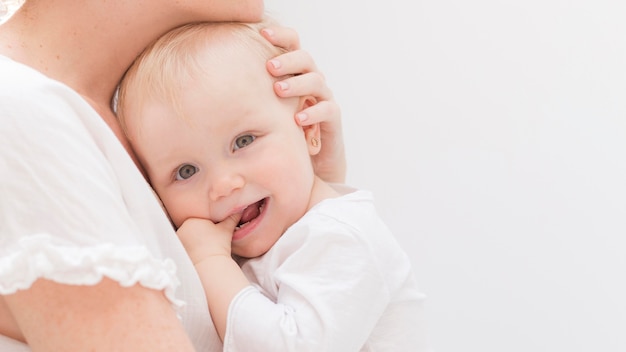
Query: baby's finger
{"points": [[230, 223]]}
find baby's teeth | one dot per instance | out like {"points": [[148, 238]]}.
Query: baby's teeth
{"points": [[243, 225]]}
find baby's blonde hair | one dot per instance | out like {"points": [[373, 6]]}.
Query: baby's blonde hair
{"points": [[160, 71]]}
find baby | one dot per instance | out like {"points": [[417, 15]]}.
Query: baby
{"points": [[288, 261]]}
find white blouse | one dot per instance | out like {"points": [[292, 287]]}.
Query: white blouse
{"points": [[74, 208]]}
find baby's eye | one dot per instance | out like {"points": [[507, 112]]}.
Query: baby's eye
{"points": [[244, 141], [185, 171]]}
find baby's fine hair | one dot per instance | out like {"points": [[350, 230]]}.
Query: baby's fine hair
{"points": [[161, 71]]}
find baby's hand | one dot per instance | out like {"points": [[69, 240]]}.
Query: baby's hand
{"points": [[203, 239]]}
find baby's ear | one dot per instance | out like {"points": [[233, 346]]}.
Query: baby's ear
{"points": [[306, 101], [312, 134]]}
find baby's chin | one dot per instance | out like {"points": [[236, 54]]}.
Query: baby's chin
{"points": [[250, 252]]}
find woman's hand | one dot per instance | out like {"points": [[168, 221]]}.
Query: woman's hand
{"points": [[330, 163]]}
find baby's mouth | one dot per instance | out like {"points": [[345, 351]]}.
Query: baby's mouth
{"points": [[250, 213]]}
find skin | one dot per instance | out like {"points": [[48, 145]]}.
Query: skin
{"points": [[88, 48], [233, 149]]}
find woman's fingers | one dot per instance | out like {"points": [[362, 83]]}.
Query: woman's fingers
{"points": [[300, 77], [292, 63], [283, 37], [312, 83], [324, 111], [330, 163]]}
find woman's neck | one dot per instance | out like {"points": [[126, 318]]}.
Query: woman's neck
{"points": [[85, 46], [88, 47]]}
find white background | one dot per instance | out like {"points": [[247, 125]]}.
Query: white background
{"points": [[493, 135]]}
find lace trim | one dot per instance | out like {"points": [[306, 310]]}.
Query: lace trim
{"points": [[36, 258]]}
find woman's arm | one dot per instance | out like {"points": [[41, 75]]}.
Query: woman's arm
{"points": [[8, 325], [102, 317], [330, 163]]}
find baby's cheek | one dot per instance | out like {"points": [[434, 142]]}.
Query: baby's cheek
{"points": [[174, 212], [181, 208]]}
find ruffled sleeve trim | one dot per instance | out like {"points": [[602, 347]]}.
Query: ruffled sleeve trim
{"points": [[38, 257]]}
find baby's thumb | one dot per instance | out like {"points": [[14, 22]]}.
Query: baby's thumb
{"points": [[230, 222]]}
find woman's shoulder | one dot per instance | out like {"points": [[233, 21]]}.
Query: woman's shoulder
{"points": [[10, 345], [18, 78], [24, 89]]}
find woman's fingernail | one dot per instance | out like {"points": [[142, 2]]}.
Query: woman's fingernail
{"points": [[301, 117], [275, 63], [268, 32], [283, 85]]}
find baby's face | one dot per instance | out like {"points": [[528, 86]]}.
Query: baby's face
{"points": [[236, 149]]}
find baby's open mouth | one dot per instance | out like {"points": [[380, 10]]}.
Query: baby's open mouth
{"points": [[250, 213]]}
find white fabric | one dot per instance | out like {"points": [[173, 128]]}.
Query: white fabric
{"points": [[10, 345], [337, 280], [74, 208]]}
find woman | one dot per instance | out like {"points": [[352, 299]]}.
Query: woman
{"points": [[88, 260]]}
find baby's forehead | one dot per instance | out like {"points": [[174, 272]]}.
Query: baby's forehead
{"points": [[221, 56]]}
